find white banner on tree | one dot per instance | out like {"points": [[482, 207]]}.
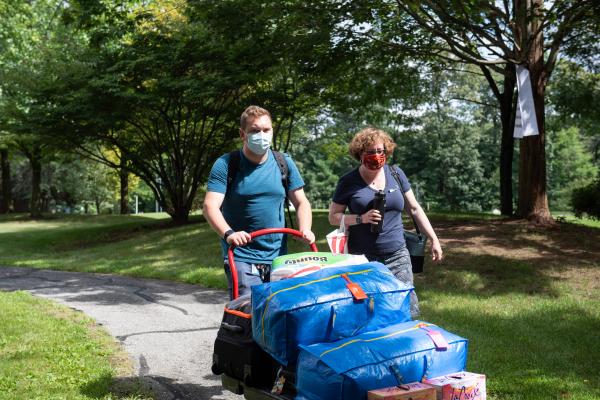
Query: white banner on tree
{"points": [[525, 120]]}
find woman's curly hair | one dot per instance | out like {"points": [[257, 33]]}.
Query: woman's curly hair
{"points": [[366, 138]]}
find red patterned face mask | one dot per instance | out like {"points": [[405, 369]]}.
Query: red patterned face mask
{"points": [[374, 161]]}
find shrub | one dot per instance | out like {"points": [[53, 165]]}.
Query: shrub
{"points": [[587, 200]]}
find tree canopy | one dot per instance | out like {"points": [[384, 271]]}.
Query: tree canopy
{"points": [[156, 88]]}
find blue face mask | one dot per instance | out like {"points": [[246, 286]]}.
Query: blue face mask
{"points": [[259, 142]]}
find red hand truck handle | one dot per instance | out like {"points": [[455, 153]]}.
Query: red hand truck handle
{"points": [[260, 232]]}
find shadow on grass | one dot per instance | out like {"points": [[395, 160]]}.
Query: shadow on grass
{"points": [[557, 247], [14, 217], [545, 352], [189, 253], [500, 286], [149, 386], [498, 257], [486, 276], [107, 289], [91, 218], [106, 236], [64, 234]]}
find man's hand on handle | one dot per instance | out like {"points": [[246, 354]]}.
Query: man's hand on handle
{"points": [[308, 236], [239, 238]]}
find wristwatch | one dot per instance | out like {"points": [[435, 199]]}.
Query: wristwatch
{"points": [[358, 219], [226, 234]]}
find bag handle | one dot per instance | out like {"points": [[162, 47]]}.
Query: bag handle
{"points": [[428, 361], [330, 332], [397, 178], [399, 378], [343, 224]]}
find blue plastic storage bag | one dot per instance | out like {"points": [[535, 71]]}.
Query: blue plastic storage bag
{"points": [[349, 368], [320, 308]]}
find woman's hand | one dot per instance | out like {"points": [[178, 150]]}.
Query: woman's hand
{"points": [[436, 250], [372, 216]]}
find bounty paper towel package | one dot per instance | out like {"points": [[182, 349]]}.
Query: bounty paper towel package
{"points": [[301, 264]]}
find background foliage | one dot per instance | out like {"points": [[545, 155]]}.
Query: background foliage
{"points": [[102, 100]]}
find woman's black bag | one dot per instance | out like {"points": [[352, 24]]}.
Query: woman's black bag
{"points": [[415, 242]]}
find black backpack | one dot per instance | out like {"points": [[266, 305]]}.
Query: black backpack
{"points": [[234, 165]]}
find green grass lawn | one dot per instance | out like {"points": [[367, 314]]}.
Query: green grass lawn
{"points": [[527, 298], [48, 351], [143, 246], [571, 218]]}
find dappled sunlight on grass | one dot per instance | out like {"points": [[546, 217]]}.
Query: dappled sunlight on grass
{"points": [[512, 333], [139, 248], [527, 298], [569, 217], [208, 277], [10, 227], [48, 351], [152, 215], [531, 318], [470, 275]]}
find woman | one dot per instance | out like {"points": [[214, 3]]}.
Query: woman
{"points": [[356, 191]]}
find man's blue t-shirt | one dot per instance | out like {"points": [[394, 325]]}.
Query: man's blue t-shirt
{"points": [[255, 201], [353, 192]]}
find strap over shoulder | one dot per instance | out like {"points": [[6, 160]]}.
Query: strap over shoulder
{"points": [[232, 167], [283, 167], [394, 169]]}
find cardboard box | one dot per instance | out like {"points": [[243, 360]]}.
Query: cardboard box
{"points": [[410, 391], [459, 386]]}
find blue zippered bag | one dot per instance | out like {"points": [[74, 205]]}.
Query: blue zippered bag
{"points": [[320, 307], [400, 353]]}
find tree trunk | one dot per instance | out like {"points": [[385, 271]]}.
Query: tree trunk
{"points": [[177, 208], [533, 199], [6, 192], [45, 203], [180, 216], [124, 182], [508, 141], [98, 203], [35, 161]]}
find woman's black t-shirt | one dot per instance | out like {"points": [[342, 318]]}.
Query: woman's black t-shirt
{"points": [[353, 192]]}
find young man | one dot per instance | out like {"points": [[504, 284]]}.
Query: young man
{"points": [[254, 200]]}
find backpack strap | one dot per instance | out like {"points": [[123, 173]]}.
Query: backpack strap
{"points": [[283, 167], [232, 168], [285, 182], [396, 175]]}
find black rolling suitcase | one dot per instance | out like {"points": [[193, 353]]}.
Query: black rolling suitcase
{"points": [[236, 354]]}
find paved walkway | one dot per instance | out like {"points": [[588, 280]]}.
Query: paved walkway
{"points": [[167, 328]]}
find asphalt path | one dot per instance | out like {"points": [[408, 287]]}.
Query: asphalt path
{"points": [[167, 328]]}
